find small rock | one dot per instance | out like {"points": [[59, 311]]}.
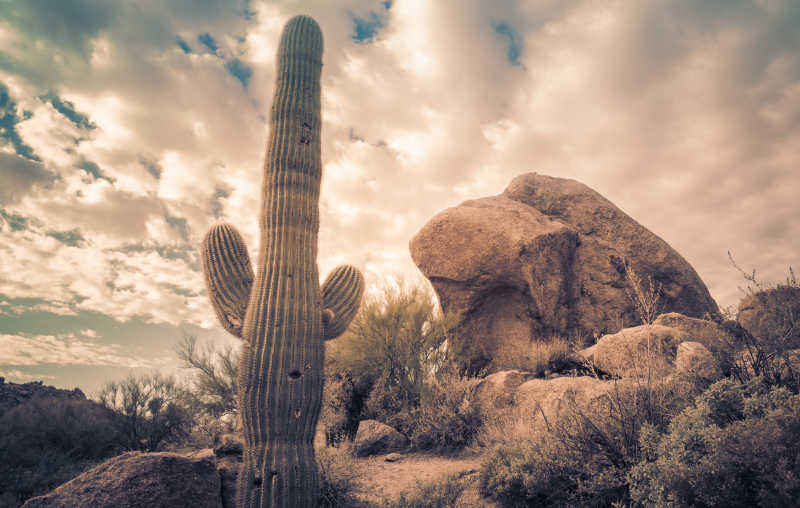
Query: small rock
{"points": [[393, 457], [228, 444], [375, 438]]}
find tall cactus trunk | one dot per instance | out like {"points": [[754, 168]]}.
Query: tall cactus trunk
{"points": [[281, 367]]}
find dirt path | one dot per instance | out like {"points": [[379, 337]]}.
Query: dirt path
{"points": [[378, 479]]}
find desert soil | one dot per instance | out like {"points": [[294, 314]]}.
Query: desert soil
{"points": [[378, 480]]}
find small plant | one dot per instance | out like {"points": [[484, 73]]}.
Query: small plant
{"points": [[436, 494], [448, 416], [541, 357], [337, 469], [645, 293]]}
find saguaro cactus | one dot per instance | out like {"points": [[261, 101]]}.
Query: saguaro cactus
{"points": [[281, 314]]}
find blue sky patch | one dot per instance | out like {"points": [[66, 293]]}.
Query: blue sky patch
{"points": [[94, 170], [8, 125], [15, 222], [208, 41], [67, 109], [364, 30], [514, 49], [72, 238], [183, 44], [239, 70]]}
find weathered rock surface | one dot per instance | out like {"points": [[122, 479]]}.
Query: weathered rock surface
{"points": [[546, 257], [497, 390], [706, 332], [374, 438], [694, 360], [771, 314], [632, 350], [13, 394], [141, 480], [544, 400]]}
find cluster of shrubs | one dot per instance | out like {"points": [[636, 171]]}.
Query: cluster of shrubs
{"points": [[45, 442], [395, 354], [675, 443]]}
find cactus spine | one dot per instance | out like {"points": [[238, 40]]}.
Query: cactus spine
{"points": [[281, 314]]}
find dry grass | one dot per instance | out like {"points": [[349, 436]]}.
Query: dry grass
{"points": [[541, 357]]}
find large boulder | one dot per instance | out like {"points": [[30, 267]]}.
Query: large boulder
{"points": [[546, 257], [141, 480], [375, 438]]}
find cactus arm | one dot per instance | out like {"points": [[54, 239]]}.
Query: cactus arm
{"points": [[228, 275], [281, 365], [341, 297]]}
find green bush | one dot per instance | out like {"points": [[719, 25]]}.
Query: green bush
{"points": [[737, 446], [45, 442]]}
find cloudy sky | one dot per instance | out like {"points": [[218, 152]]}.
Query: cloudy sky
{"points": [[128, 128]]}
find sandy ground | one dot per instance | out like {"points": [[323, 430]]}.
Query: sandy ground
{"points": [[378, 479]]}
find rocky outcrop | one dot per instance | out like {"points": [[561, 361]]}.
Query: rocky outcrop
{"points": [[544, 400], [772, 316], [633, 350], [706, 332], [375, 438], [546, 257], [13, 394], [497, 390], [141, 480], [694, 360]]}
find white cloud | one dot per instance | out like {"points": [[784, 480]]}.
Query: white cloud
{"points": [[686, 116], [66, 349]]}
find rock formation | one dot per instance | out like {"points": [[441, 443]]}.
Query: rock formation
{"points": [[13, 394], [139, 480], [546, 257]]}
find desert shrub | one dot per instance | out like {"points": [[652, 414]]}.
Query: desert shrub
{"points": [[45, 442], [736, 446], [766, 334], [155, 410], [436, 494], [541, 357], [448, 416], [338, 476], [213, 376], [644, 292], [394, 346], [583, 457]]}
